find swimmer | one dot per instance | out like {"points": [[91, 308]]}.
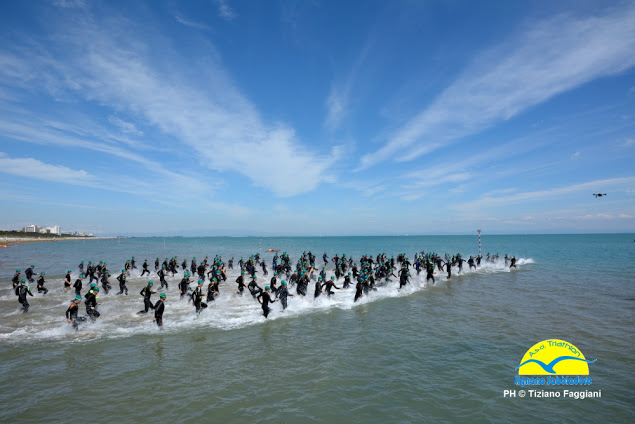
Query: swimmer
{"points": [[330, 285], [78, 284], [72, 311], [40, 284], [145, 268], [21, 291], [159, 307], [16, 279], [147, 293], [264, 298], [197, 298], [283, 293], [67, 281], [91, 303], [122, 282]]}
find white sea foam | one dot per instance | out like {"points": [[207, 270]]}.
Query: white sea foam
{"points": [[45, 319]]}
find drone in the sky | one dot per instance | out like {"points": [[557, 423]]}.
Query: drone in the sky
{"points": [[599, 195]]}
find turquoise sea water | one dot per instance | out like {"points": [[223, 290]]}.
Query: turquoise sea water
{"points": [[430, 353]]}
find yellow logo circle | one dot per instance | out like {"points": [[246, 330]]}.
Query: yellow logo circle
{"points": [[554, 357]]}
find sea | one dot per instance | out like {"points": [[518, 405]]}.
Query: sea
{"points": [[442, 352]]}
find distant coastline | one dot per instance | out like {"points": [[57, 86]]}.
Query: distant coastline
{"points": [[10, 240]]}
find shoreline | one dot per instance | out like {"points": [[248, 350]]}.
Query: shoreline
{"points": [[7, 242]]}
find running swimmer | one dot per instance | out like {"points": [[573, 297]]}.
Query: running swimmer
{"points": [[21, 291], [72, 311], [91, 303], [197, 298], [159, 307], [264, 298], [67, 281], [147, 292], [40, 284], [283, 293], [122, 282]]}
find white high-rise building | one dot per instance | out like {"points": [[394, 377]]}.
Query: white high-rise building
{"points": [[31, 229]]}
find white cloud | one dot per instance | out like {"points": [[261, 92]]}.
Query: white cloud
{"points": [[125, 127], [224, 10], [549, 58], [192, 24], [192, 100], [33, 168], [616, 184]]}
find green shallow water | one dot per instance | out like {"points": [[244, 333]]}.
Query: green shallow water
{"points": [[443, 353]]}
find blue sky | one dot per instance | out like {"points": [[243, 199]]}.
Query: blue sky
{"points": [[317, 118]]}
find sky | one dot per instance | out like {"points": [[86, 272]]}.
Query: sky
{"points": [[234, 118]]}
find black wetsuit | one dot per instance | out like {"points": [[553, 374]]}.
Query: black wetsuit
{"points": [[254, 288], [71, 313], [359, 289], [29, 274], [158, 312], [197, 298], [161, 275], [403, 279], [184, 286], [104, 283], [40, 285], [264, 300], [145, 269], [282, 294], [22, 291], [328, 286], [318, 289], [78, 286], [122, 283], [67, 281], [513, 263], [91, 305], [146, 292], [16, 280], [347, 281]]}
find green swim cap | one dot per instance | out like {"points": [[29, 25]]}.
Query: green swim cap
{"points": [[150, 283], [284, 283], [23, 281], [78, 297], [200, 282], [69, 271], [17, 270], [162, 295], [32, 266], [267, 288], [123, 270], [332, 278], [96, 289], [81, 276], [92, 285]]}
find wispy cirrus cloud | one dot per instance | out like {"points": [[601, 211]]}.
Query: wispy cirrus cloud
{"points": [[224, 10], [33, 168], [339, 98], [547, 59], [192, 24], [195, 103], [491, 201]]}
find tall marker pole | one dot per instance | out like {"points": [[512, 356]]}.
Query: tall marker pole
{"points": [[261, 245], [479, 242]]}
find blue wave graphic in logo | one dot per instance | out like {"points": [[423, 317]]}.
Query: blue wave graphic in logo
{"points": [[549, 367]]}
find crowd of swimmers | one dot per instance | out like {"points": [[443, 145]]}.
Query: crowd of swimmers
{"points": [[367, 274]]}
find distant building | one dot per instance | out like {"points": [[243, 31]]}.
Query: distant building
{"points": [[56, 229]]}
